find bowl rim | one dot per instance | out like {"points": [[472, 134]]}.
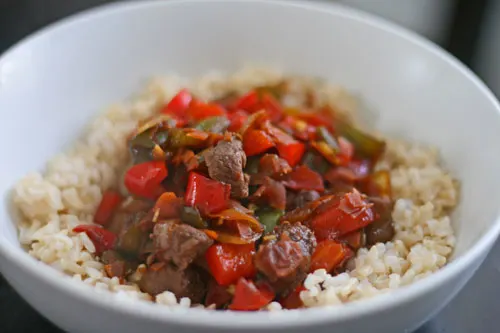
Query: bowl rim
{"points": [[215, 319]]}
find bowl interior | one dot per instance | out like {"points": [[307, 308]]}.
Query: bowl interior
{"points": [[54, 83]]}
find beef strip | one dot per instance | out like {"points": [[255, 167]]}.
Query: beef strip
{"points": [[285, 260], [178, 243], [225, 163], [381, 230], [300, 199], [183, 283]]}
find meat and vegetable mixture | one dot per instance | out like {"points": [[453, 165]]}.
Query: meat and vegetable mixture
{"points": [[260, 196]]}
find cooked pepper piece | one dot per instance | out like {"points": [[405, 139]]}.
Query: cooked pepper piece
{"points": [[144, 179], [110, 200], [198, 111], [365, 145], [236, 227], [236, 120], [303, 178], [208, 195], [179, 103], [216, 124], [248, 297], [229, 262], [341, 215], [103, 239], [168, 206], [269, 217], [191, 216], [328, 255], [256, 142]]}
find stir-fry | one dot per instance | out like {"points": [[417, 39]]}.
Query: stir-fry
{"points": [[232, 202]]}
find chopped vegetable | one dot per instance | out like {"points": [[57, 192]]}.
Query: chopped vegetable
{"points": [[354, 239], [199, 111], [168, 206], [191, 216], [144, 179], [365, 145], [269, 217], [213, 124], [341, 215], [237, 227], [230, 262], [237, 120], [103, 239], [209, 196], [110, 200], [247, 297], [256, 142], [315, 162], [303, 178], [179, 103], [328, 255], [378, 184], [132, 239]]}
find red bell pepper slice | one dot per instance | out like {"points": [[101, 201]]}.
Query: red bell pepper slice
{"points": [[303, 178], [237, 120], [229, 262], [145, 179], [168, 206], [248, 102], [328, 255], [272, 107], [110, 200], [103, 239], [208, 195], [346, 151], [247, 297], [341, 216], [178, 104], [198, 111], [256, 142], [288, 148], [292, 152]]}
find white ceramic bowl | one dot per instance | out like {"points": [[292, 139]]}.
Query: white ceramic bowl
{"points": [[52, 83]]}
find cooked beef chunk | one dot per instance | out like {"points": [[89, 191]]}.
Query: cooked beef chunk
{"points": [[178, 243], [183, 283], [116, 265], [381, 230], [283, 262], [299, 233], [299, 199], [128, 213], [217, 295], [225, 163]]}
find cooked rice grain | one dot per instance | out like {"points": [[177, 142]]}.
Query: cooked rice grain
{"points": [[67, 194]]}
